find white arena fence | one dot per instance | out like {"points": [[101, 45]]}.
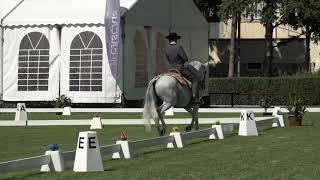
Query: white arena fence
{"points": [[134, 110], [69, 156], [84, 122], [21, 117]]}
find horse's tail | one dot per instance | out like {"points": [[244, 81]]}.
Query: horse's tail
{"points": [[150, 107]]}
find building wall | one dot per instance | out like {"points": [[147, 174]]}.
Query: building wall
{"points": [[252, 46], [287, 59], [315, 57], [249, 30]]}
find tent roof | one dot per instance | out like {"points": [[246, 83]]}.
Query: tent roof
{"points": [[79, 12], [6, 6], [62, 12], [159, 13]]}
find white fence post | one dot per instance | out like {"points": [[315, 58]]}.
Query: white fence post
{"points": [[56, 162], [125, 151], [279, 115], [177, 140], [218, 133]]}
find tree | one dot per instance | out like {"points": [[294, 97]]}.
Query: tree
{"points": [[304, 14], [233, 9], [209, 9], [270, 18]]}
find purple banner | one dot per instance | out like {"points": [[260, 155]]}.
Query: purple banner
{"points": [[113, 34]]}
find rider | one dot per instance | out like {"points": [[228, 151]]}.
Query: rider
{"points": [[178, 60]]}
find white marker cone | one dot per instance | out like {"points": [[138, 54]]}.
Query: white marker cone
{"points": [[66, 111], [88, 156], [96, 123], [247, 125], [21, 112]]}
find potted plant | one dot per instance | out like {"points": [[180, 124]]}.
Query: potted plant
{"points": [[62, 101], [296, 110], [265, 103]]}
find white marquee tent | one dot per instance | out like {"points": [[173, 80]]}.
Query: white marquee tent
{"points": [[6, 6], [58, 47]]}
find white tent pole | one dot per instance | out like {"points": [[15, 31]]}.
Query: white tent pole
{"points": [[14, 8], [2, 42]]}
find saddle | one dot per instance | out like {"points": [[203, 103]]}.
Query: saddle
{"points": [[177, 75]]}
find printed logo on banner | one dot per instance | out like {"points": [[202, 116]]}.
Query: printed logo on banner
{"points": [[112, 29]]}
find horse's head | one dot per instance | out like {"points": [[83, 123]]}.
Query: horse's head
{"points": [[202, 70]]}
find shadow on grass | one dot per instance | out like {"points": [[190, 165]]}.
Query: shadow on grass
{"points": [[20, 175]]}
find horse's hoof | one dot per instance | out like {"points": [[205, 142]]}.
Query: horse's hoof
{"points": [[162, 132], [188, 128]]}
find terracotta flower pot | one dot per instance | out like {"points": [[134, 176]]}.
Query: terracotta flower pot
{"points": [[294, 120]]}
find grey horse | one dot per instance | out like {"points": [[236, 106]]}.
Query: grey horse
{"points": [[164, 92]]}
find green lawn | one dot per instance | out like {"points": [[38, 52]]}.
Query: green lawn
{"points": [[277, 153]]}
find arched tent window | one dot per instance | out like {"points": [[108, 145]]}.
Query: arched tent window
{"points": [[141, 75], [33, 67], [161, 60], [86, 62]]}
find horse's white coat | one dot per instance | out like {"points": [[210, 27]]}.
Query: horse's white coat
{"points": [[171, 93]]}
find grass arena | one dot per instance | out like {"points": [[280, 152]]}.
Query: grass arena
{"points": [[289, 153]]}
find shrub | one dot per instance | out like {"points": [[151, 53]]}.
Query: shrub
{"points": [[63, 101], [265, 103], [296, 106], [249, 90]]}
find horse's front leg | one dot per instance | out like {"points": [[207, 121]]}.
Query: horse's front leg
{"points": [[189, 127]]}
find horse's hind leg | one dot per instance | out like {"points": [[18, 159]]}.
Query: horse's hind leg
{"points": [[158, 127], [165, 106]]}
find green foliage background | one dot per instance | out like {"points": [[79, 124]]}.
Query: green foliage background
{"points": [[249, 90]]}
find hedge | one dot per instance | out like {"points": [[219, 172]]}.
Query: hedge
{"points": [[249, 90]]}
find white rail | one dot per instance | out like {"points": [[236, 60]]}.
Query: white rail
{"points": [[151, 142], [26, 163], [86, 122], [135, 110]]}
